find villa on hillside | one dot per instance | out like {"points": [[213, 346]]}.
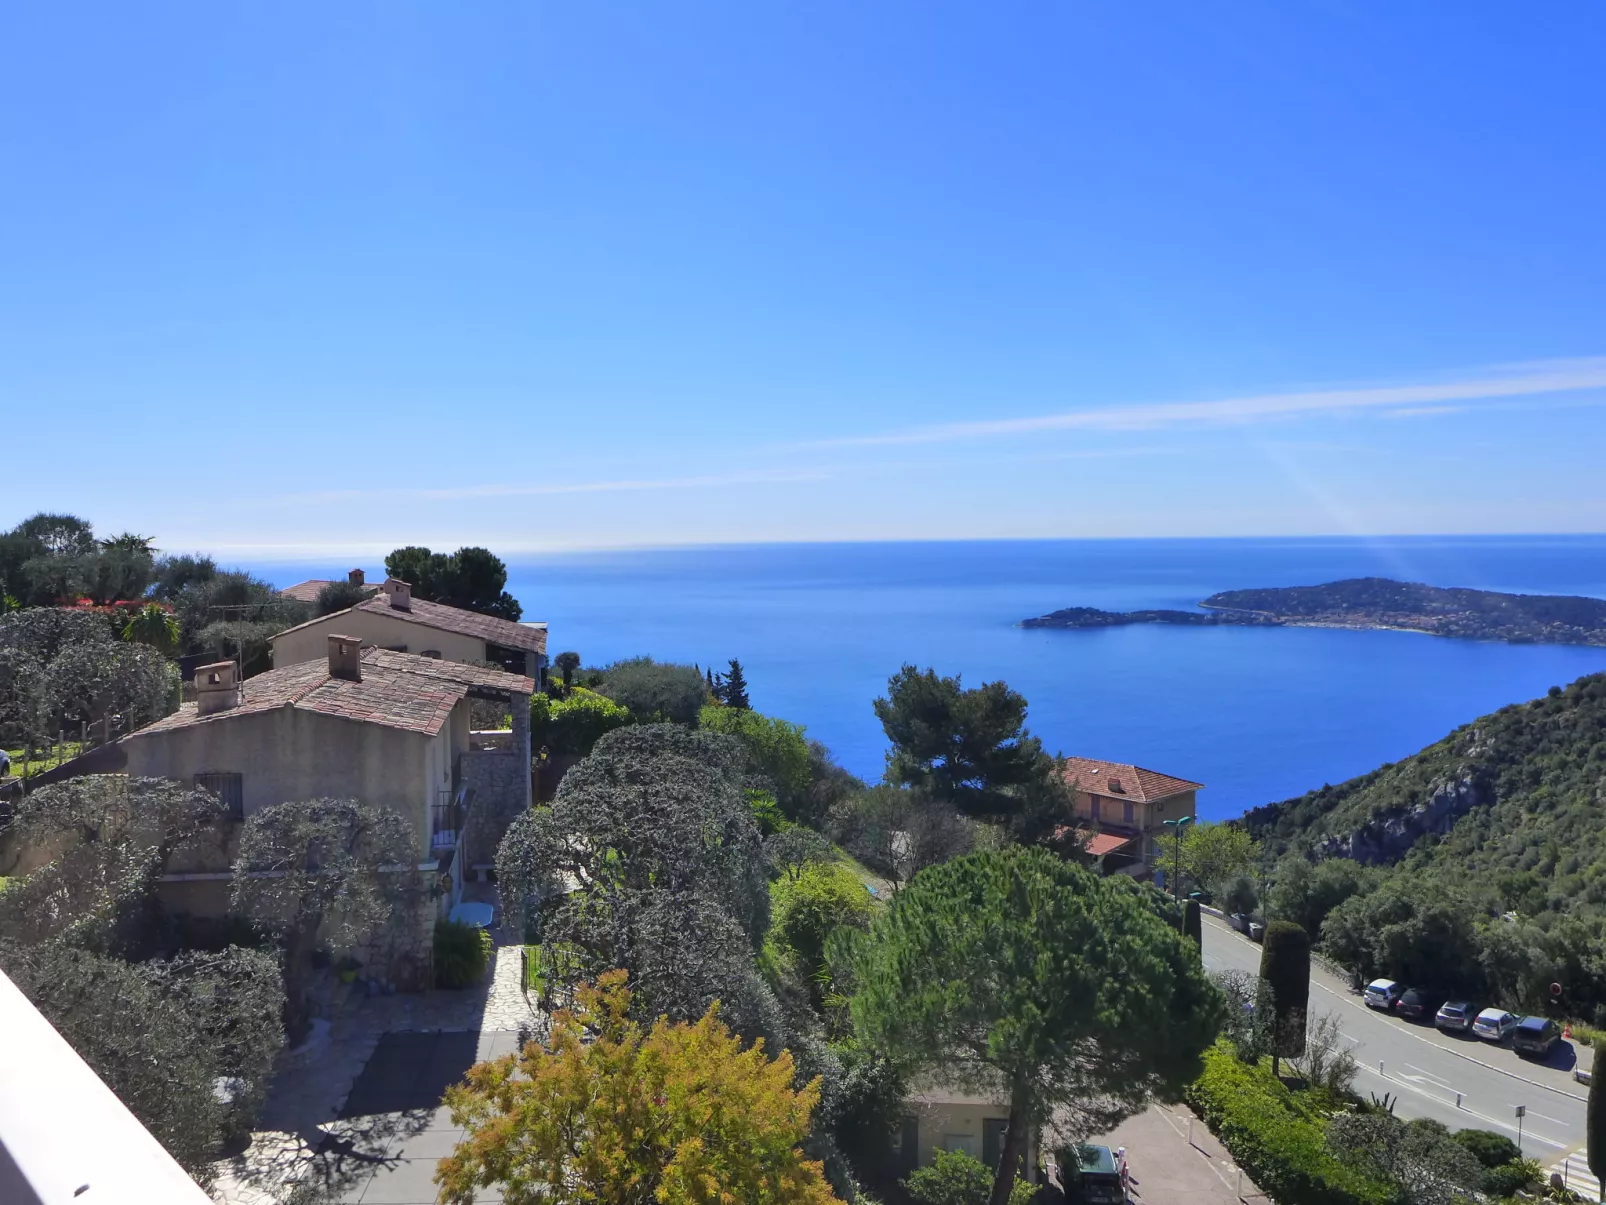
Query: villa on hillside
{"points": [[393, 619], [1122, 809], [387, 728]]}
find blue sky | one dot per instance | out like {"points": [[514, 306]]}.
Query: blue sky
{"points": [[286, 279]]}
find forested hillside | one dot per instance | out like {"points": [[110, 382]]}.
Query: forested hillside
{"points": [[1483, 857]]}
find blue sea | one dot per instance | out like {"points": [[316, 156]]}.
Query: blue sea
{"points": [[1256, 714]]}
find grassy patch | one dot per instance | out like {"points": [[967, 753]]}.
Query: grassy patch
{"points": [[42, 759]]}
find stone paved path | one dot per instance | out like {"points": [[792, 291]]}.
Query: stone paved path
{"points": [[299, 1116]]}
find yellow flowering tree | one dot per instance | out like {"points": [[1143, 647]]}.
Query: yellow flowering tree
{"points": [[609, 1113]]}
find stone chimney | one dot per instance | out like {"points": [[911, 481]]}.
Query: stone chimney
{"points": [[401, 593], [345, 658], [217, 688], [355, 577]]}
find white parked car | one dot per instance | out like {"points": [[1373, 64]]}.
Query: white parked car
{"points": [[1383, 994], [1495, 1024]]}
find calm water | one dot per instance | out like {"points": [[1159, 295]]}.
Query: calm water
{"points": [[1256, 714]]}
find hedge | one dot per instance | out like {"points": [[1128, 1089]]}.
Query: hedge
{"points": [[1278, 1139]]}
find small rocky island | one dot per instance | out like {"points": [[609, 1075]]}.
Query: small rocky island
{"points": [[1377, 603]]}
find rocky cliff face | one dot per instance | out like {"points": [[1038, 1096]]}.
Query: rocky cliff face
{"points": [[1389, 835]]}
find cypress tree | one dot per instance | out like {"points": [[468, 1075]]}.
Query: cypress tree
{"points": [[1193, 925], [1285, 966], [735, 684]]}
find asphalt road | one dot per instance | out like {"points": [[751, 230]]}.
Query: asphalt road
{"points": [[1466, 1083]]}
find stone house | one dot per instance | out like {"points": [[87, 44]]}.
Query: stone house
{"points": [[387, 728], [1123, 810], [393, 619]]}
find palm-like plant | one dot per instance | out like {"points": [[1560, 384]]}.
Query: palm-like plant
{"points": [[153, 624]]}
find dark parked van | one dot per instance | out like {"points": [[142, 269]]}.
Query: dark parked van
{"points": [[1095, 1177], [1534, 1036]]}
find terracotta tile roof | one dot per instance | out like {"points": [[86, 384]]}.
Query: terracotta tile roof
{"points": [[1097, 844], [307, 591], [1124, 781], [398, 690], [1106, 843], [531, 637]]}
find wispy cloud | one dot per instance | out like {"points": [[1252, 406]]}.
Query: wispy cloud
{"points": [[1423, 411], [1525, 380], [545, 488]]}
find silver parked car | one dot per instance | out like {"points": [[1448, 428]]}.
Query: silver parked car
{"points": [[1495, 1024], [1456, 1016], [1383, 994]]}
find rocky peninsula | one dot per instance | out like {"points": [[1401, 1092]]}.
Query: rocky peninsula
{"points": [[1376, 603]]}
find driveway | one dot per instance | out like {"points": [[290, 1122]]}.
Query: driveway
{"points": [[1170, 1164], [354, 1116]]}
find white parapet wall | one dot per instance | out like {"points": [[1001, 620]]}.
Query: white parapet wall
{"points": [[65, 1138]]}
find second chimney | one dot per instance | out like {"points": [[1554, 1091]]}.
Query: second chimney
{"points": [[355, 577], [345, 658], [216, 688], [401, 593]]}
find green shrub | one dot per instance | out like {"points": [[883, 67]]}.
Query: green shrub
{"points": [[1277, 1136], [807, 909], [462, 952], [1490, 1148], [777, 751], [955, 1178], [1511, 1178], [571, 726]]}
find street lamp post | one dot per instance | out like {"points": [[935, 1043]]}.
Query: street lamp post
{"points": [[1180, 823]]}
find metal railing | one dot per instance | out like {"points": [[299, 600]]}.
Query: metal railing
{"points": [[446, 820]]}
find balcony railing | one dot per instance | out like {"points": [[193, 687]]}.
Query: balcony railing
{"points": [[446, 818]]}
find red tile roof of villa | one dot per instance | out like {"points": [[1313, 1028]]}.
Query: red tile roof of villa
{"points": [[397, 690], [531, 637], [307, 591], [1100, 844], [1124, 781]]}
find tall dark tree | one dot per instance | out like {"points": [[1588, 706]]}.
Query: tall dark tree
{"points": [[1192, 924], [175, 574], [471, 578], [969, 748], [1019, 973], [58, 535], [566, 664], [1285, 966], [732, 689]]}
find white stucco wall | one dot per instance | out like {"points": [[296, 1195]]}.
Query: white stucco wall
{"points": [[311, 642]]}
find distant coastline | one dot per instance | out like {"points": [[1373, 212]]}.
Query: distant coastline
{"points": [[1375, 603]]}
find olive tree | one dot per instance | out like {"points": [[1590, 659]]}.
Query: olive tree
{"points": [[326, 870], [94, 846], [649, 860], [1016, 973]]}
